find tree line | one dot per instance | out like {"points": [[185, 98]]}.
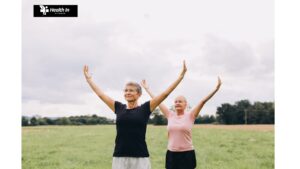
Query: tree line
{"points": [[72, 120], [241, 112]]}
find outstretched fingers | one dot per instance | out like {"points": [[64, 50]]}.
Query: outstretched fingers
{"points": [[144, 84], [86, 72]]}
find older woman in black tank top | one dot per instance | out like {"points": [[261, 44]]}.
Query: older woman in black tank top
{"points": [[130, 146]]}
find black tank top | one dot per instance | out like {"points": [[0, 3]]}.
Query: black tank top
{"points": [[131, 125]]}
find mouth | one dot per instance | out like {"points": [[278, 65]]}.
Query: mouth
{"points": [[128, 97]]}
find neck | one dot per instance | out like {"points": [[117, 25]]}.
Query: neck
{"points": [[131, 105], [180, 112]]}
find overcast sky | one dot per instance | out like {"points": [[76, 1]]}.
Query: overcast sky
{"points": [[135, 40]]}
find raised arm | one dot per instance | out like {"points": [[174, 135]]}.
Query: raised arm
{"points": [[159, 98], [162, 106], [106, 99], [198, 107]]}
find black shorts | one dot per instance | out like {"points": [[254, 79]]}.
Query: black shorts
{"points": [[181, 160]]}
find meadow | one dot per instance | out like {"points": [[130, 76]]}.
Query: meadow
{"points": [[91, 147]]}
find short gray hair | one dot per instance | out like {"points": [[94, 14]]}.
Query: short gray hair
{"points": [[136, 85]]}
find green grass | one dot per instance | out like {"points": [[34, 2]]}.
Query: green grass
{"points": [[91, 147]]}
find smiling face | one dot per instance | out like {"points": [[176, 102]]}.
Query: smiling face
{"points": [[132, 92], [180, 103]]}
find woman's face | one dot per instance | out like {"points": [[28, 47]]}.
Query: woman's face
{"points": [[180, 103], [131, 94]]}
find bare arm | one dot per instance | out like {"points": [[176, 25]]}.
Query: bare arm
{"points": [[106, 99], [198, 107], [159, 98], [162, 106]]}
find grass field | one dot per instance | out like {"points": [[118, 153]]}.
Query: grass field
{"points": [[91, 147]]}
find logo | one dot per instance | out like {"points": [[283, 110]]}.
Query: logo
{"points": [[55, 10], [44, 9]]}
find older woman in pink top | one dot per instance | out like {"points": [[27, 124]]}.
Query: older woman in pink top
{"points": [[180, 153]]}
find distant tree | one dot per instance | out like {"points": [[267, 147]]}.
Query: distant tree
{"points": [[49, 121], [34, 121], [63, 121], [25, 121], [226, 114], [242, 111], [82, 120], [158, 118], [92, 121], [262, 113], [42, 121], [205, 119]]}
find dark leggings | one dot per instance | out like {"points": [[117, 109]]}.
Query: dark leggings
{"points": [[181, 160]]}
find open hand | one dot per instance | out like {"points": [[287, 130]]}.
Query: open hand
{"points": [[144, 84], [86, 72]]}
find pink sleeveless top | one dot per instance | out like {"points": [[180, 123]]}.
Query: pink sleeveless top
{"points": [[180, 131]]}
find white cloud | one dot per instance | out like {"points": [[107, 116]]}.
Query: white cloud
{"points": [[147, 41]]}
